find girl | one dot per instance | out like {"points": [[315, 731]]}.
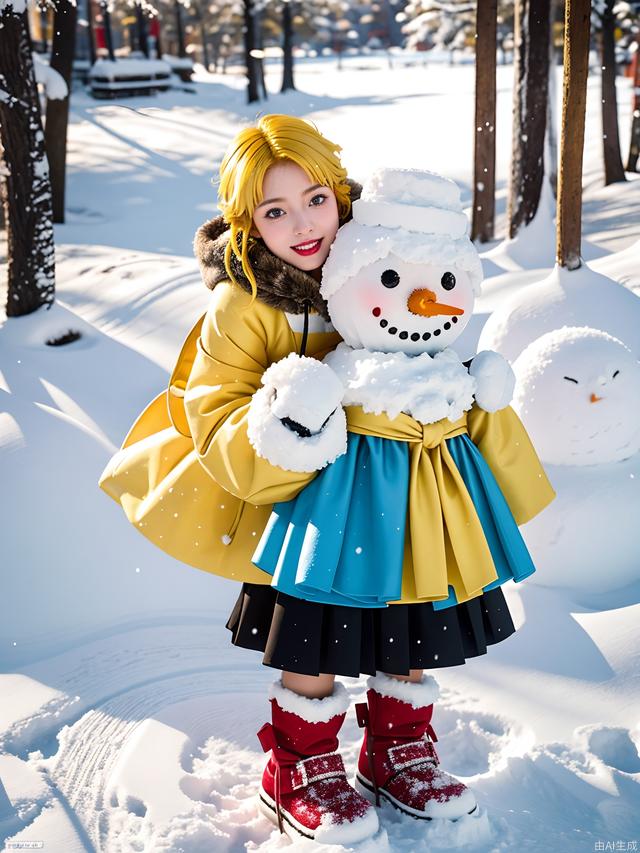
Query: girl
{"points": [[283, 195]]}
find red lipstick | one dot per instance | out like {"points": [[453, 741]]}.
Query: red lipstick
{"points": [[309, 247]]}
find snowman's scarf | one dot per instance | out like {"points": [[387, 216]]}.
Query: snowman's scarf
{"points": [[429, 388]]}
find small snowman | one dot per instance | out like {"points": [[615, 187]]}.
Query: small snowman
{"points": [[578, 394], [406, 507]]}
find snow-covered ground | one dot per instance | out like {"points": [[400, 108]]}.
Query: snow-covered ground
{"points": [[127, 721]]}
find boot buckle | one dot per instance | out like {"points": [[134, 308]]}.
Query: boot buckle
{"points": [[406, 755], [313, 769]]}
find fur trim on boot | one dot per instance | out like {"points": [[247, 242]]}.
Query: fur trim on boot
{"points": [[418, 695], [311, 710]]}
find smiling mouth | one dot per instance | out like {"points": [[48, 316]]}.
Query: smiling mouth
{"points": [[308, 248], [403, 334]]}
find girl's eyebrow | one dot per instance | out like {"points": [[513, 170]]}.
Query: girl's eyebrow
{"points": [[274, 200], [269, 201]]}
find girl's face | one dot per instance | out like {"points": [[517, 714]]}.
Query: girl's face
{"points": [[298, 219]]}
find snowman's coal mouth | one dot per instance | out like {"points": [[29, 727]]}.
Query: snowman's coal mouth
{"points": [[404, 335]]}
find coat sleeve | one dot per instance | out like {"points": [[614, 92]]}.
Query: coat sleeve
{"points": [[508, 451], [232, 355]]}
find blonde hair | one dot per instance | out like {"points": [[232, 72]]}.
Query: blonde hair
{"points": [[274, 139]]}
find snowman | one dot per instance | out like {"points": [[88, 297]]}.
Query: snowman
{"points": [[578, 394], [425, 471]]}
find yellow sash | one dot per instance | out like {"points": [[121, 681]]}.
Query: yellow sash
{"points": [[445, 544]]}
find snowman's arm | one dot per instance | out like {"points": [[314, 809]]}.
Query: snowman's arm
{"points": [[296, 420], [495, 380]]}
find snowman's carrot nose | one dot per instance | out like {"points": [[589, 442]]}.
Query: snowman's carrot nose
{"points": [[423, 301], [594, 398]]}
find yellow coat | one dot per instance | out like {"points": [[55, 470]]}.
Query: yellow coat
{"points": [[208, 505], [189, 480]]}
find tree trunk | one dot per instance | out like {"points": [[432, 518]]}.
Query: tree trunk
{"points": [[182, 51], [106, 23], [393, 27], [92, 44], [531, 70], [249, 47], [215, 47], [141, 30], [485, 117], [634, 147], [3, 196], [31, 257], [44, 27], [613, 168], [205, 48], [577, 23], [287, 49], [551, 141], [259, 46], [62, 53]]}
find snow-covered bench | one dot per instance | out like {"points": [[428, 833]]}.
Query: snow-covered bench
{"points": [[180, 65], [129, 77]]}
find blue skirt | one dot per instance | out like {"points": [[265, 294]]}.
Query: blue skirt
{"points": [[341, 540]]}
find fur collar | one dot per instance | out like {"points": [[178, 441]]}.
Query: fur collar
{"points": [[279, 284], [429, 388]]}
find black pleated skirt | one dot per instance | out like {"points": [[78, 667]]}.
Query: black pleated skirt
{"points": [[310, 638]]}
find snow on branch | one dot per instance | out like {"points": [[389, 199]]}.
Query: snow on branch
{"points": [[54, 83]]}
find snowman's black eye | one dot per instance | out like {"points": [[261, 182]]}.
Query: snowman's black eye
{"points": [[390, 278], [448, 281], [571, 379], [615, 374]]}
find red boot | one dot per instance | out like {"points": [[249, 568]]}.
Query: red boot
{"points": [[304, 786], [398, 761]]}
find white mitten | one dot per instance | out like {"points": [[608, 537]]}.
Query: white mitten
{"points": [[296, 420], [495, 380]]}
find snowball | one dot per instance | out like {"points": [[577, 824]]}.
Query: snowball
{"points": [[577, 393]]}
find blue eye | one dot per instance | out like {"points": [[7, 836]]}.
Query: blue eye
{"points": [[274, 213], [317, 200]]}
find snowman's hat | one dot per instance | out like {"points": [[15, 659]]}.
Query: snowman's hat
{"points": [[414, 200], [415, 214]]}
